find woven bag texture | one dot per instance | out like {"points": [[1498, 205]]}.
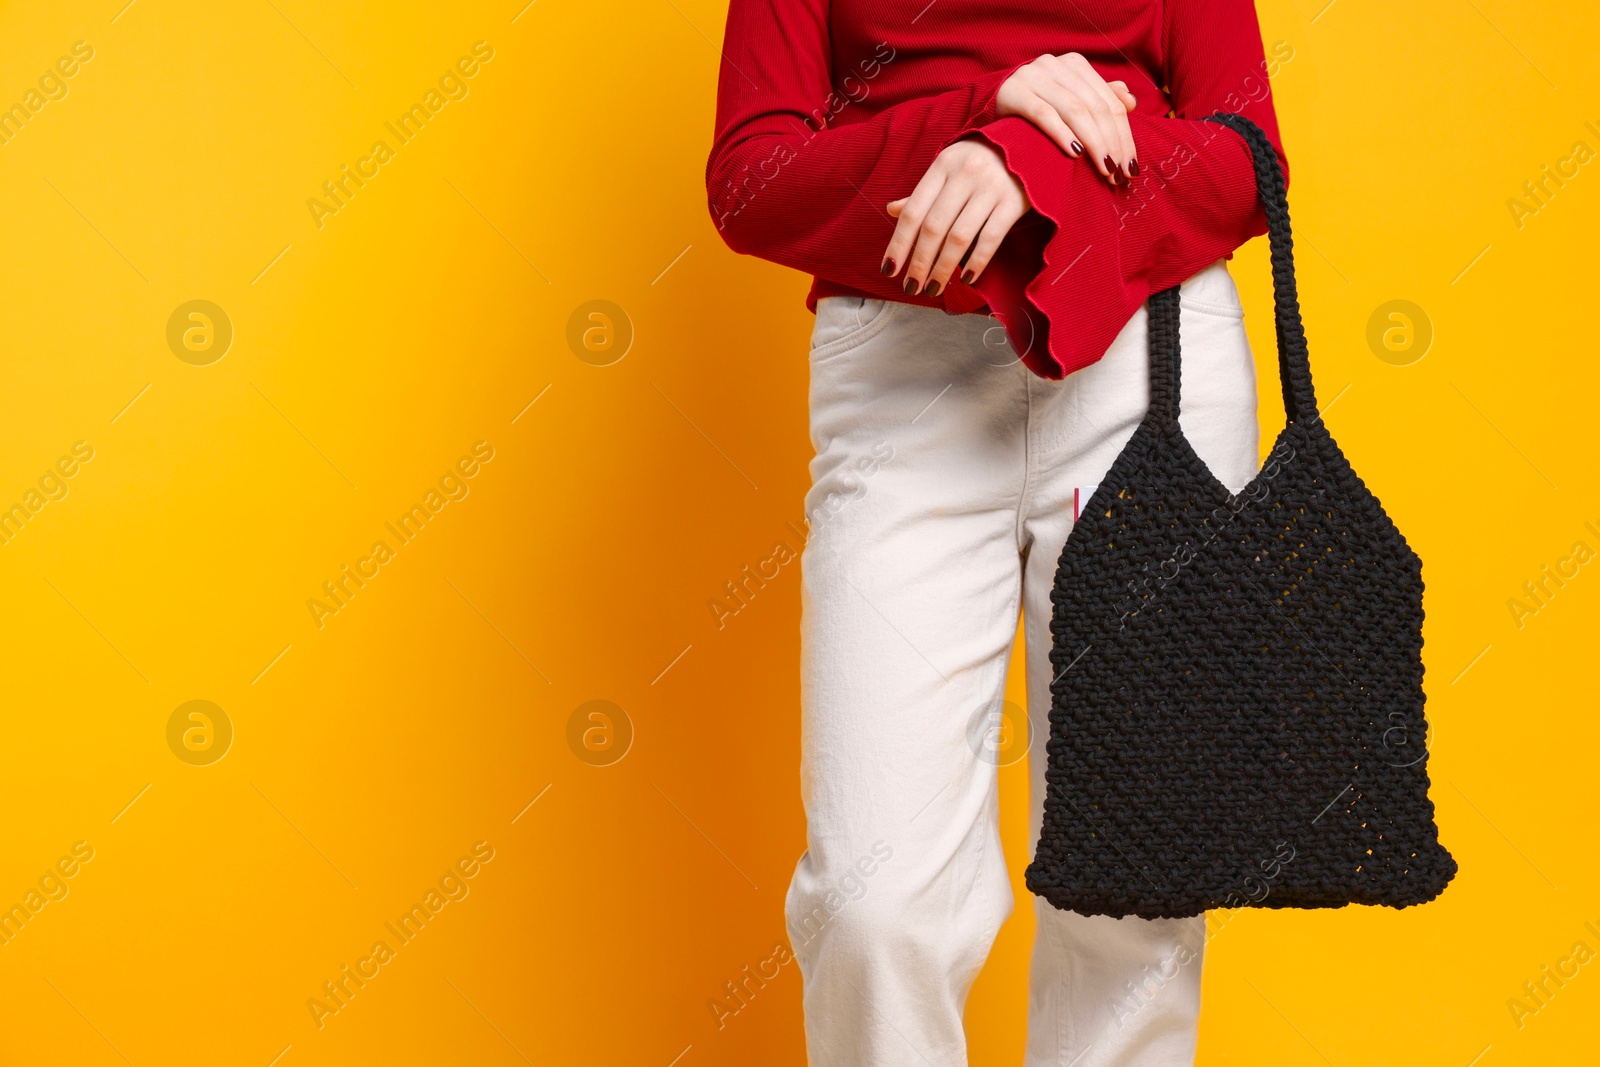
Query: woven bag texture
{"points": [[1237, 703]]}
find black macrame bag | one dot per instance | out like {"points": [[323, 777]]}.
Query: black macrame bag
{"points": [[1237, 713]]}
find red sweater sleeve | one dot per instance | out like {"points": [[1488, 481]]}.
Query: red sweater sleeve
{"points": [[786, 184], [1064, 293]]}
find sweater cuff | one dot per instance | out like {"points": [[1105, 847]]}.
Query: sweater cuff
{"points": [[960, 298], [1069, 281], [984, 102]]}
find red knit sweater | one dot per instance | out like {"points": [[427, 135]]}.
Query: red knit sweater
{"points": [[829, 109]]}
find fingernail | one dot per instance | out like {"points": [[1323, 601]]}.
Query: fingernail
{"points": [[1076, 148], [1133, 167], [910, 287], [1111, 170], [967, 276], [932, 289], [888, 267]]}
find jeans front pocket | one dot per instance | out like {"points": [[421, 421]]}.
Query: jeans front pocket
{"points": [[844, 322]]}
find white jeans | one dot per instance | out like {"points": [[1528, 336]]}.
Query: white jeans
{"points": [[943, 490]]}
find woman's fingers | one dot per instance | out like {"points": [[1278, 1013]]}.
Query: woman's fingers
{"points": [[995, 227], [1077, 114], [1030, 94], [937, 224], [962, 208], [911, 213], [1115, 115], [1083, 83], [1045, 114], [963, 232], [1079, 110], [1110, 117]]}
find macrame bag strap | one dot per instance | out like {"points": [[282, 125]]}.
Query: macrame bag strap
{"points": [[1294, 364]]}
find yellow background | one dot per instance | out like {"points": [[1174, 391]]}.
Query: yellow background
{"points": [[425, 716]]}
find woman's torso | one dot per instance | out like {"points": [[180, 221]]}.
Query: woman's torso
{"points": [[889, 51]]}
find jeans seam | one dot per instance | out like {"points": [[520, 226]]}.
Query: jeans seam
{"points": [[1027, 460]]}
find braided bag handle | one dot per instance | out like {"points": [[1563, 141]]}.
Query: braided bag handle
{"points": [[1294, 363]]}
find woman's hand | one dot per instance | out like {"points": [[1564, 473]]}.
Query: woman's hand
{"points": [[1079, 110], [956, 216]]}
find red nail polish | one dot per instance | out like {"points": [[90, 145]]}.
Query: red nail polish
{"points": [[1076, 148], [910, 287], [1111, 170], [967, 277], [932, 289], [1133, 167], [888, 267]]}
